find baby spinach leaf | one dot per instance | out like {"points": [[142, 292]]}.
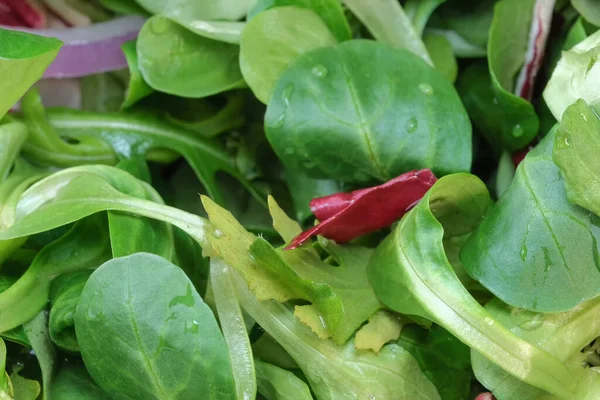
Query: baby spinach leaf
{"points": [[276, 383], [234, 330], [273, 40], [411, 274], [83, 246], [388, 23], [144, 332], [507, 46], [339, 372], [23, 59], [388, 116], [545, 260], [64, 295], [137, 88], [330, 11], [200, 67], [72, 382], [442, 357], [23, 388], [37, 333]]}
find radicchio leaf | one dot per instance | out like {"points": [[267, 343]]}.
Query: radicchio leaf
{"points": [[346, 216]]}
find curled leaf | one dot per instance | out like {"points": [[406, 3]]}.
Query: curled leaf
{"points": [[346, 216]]}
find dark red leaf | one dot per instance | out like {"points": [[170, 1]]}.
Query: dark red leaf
{"points": [[25, 12], [485, 396], [346, 216]]}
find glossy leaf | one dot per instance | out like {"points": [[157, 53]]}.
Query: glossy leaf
{"points": [[411, 274], [273, 40], [179, 353], [138, 88], [200, 67], [276, 383], [6, 390], [23, 59], [72, 382], [385, 118], [545, 260], [330, 11]]}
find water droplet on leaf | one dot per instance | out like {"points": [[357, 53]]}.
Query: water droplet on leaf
{"points": [[426, 88], [289, 151], [517, 131], [320, 71], [583, 116], [562, 142], [489, 321], [411, 125]]}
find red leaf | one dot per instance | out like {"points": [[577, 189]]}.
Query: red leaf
{"points": [[346, 216], [485, 396], [21, 13]]}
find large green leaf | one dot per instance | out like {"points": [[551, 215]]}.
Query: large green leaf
{"points": [[544, 260], [199, 67], [144, 332], [411, 274], [334, 116], [273, 40], [23, 59]]}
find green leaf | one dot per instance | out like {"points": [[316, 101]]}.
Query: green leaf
{"points": [[333, 116], [199, 68], [505, 174], [303, 189], [72, 382], [388, 23], [5, 384], [273, 40], [339, 372], [411, 274], [383, 327], [144, 332], [123, 7], [64, 295], [138, 88], [575, 77], [23, 59], [507, 47], [330, 11], [276, 383], [442, 357], [23, 388], [419, 12], [37, 333], [442, 56], [184, 11], [588, 10], [84, 246], [545, 260]]}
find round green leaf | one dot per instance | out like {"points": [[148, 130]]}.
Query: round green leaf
{"points": [[333, 115], [145, 333], [273, 40], [174, 60]]}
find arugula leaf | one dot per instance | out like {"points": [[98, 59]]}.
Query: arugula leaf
{"points": [[330, 11], [200, 67], [276, 383], [273, 40], [178, 353], [545, 260], [411, 274], [23, 59], [388, 116]]}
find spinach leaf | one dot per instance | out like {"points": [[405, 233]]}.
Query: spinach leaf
{"points": [[441, 54], [442, 357], [23, 59], [578, 134], [545, 260], [64, 295], [276, 383], [145, 333], [137, 88], [339, 372], [388, 23], [72, 382], [330, 11], [588, 10], [200, 67], [37, 333], [273, 40], [388, 116], [411, 274], [507, 47]]}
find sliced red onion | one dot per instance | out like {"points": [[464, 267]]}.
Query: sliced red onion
{"points": [[90, 50], [540, 27]]}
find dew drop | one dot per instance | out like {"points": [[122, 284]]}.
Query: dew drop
{"points": [[218, 233], [193, 327], [320, 71], [517, 131], [583, 116], [279, 121], [159, 25], [562, 142], [489, 321], [426, 88], [411, 125]]}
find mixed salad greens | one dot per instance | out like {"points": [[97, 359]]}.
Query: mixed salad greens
{"points": [[300, 199]]}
